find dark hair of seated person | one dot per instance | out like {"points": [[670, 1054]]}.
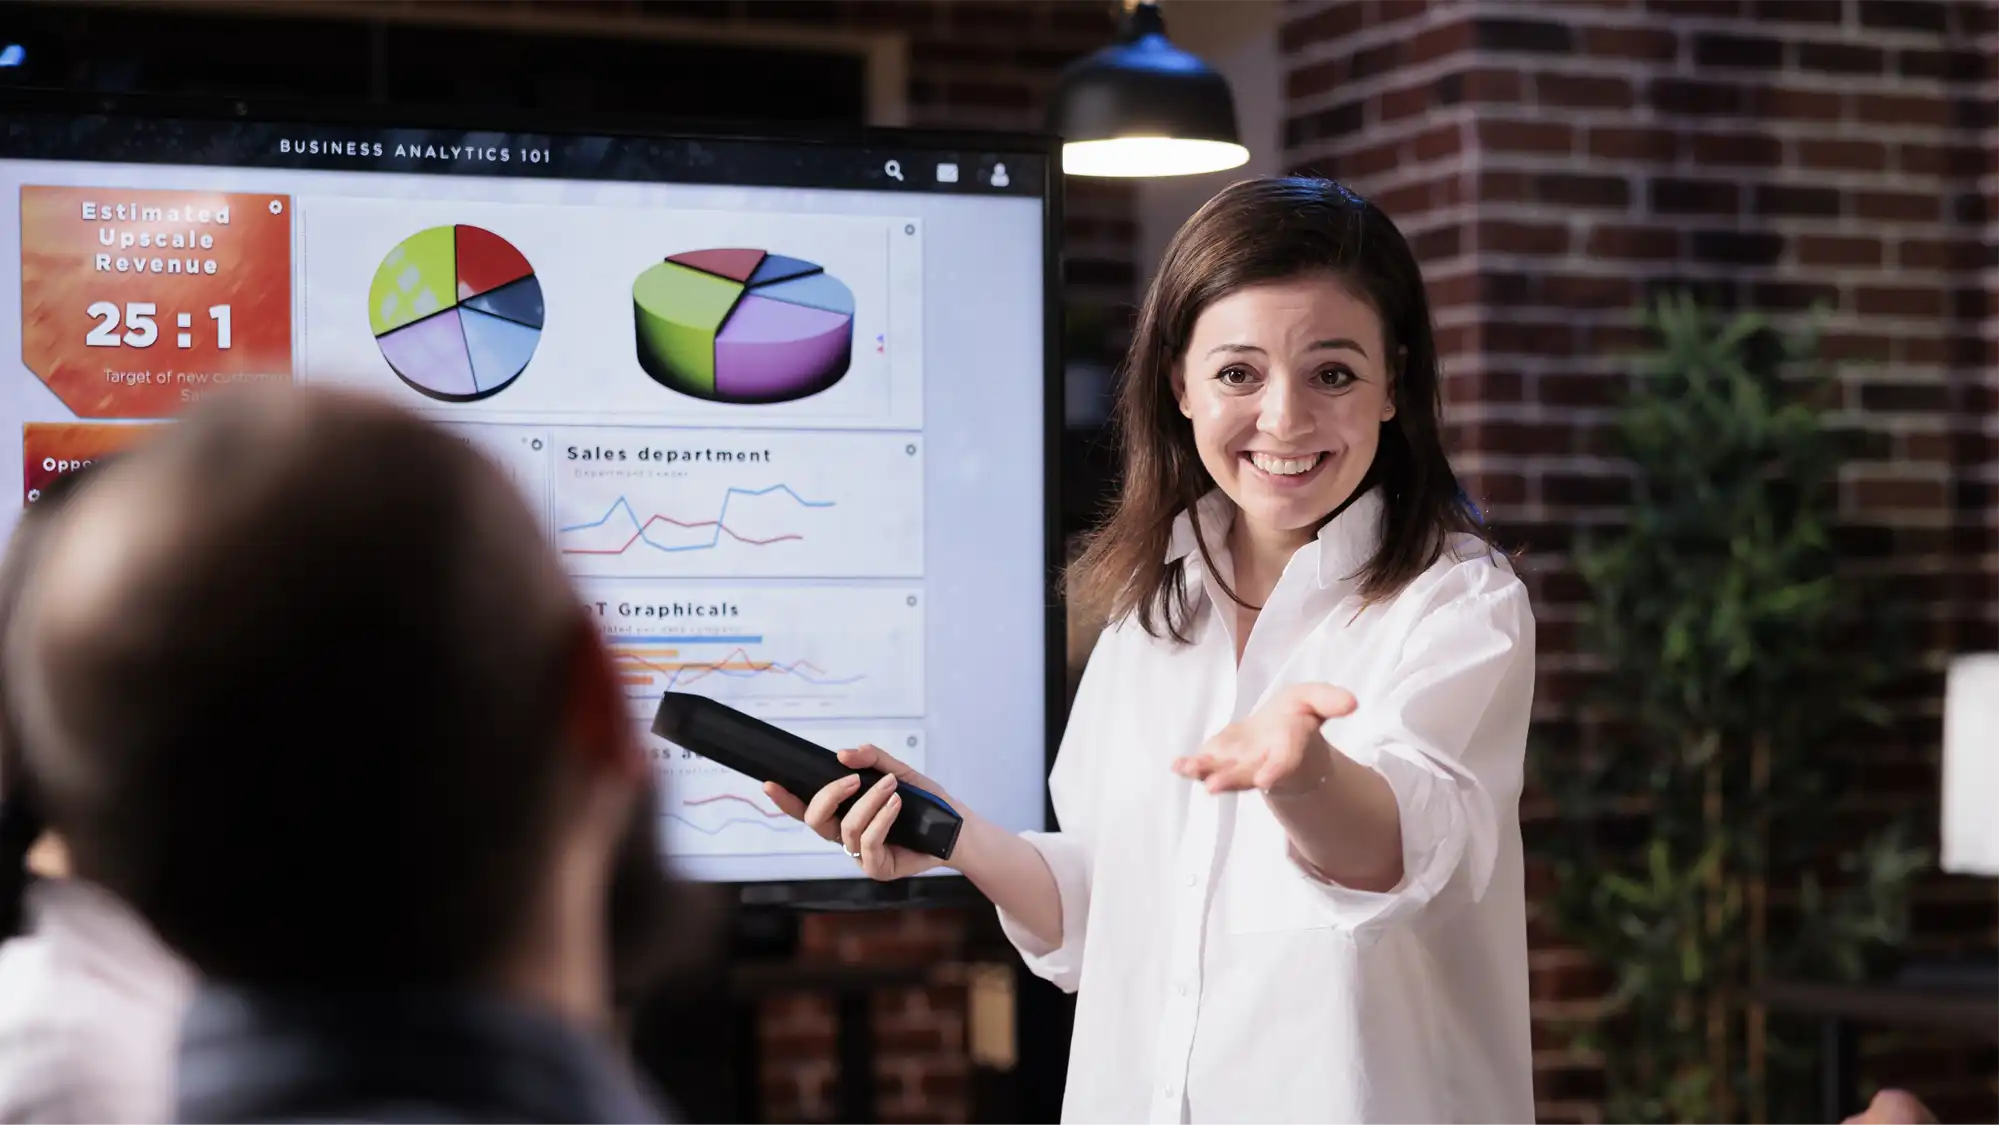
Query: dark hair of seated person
{"points": [[316, 724], [21, 819]]}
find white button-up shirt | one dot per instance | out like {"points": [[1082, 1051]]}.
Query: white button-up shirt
{"points": [[90, 1012], [1219, 980]]}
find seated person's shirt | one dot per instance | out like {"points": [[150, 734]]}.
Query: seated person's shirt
{"points": [[252, 1055], [90, 1011]]}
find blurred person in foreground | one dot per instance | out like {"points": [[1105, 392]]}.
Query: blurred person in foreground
{"points": [[90, 1000], [302, 681]]}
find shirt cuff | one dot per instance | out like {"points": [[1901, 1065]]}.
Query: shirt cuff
{"points": [[1069, 862], [1448, 840]]}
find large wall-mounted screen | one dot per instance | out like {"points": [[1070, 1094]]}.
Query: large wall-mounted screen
{"points": [[781, 405]]}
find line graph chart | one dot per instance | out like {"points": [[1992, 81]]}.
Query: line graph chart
{"points": [[824, 652], [736, 811], [739, 503], [707, 809], [662, 532], [657, 664]]}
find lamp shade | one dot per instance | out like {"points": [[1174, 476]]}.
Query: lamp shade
{"points": [[1144, 107]]}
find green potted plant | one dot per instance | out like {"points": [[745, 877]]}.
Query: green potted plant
{"points": [[1699, 853]]}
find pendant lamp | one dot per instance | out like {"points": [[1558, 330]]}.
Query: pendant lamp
{"points": [[1144, 107]]}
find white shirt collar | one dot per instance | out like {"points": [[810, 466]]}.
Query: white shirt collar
{"points": [[1343, 546]]}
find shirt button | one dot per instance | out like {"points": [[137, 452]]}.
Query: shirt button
{"points": [[1181, 988], [1169, 1091], [1189, 881]]}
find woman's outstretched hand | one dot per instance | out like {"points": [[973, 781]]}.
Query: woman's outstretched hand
{"points": [[863, 830], [1277, 749]]}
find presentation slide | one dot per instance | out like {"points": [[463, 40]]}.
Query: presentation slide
{"points": [[784, 429], [134, 302], [770, 504], [616, 315], [777, 652]]}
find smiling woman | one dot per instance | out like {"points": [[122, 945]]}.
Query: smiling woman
{"points": [[1288, 884], [1303, 296]]}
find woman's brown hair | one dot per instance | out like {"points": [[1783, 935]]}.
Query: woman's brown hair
{"points": [[1255, 232]]}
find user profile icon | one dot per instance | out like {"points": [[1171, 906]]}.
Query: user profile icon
{"points": [[999, 175]]}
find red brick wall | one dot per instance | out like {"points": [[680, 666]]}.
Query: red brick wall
{"points": [[922, 1068], [1555, 162]]}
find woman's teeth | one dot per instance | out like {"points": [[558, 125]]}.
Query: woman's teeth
{"points": [[1285, 466]]}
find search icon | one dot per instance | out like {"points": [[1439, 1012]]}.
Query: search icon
{"points": [[894, 170]]}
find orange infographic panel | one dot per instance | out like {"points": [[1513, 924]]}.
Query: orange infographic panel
{"points": [[135, 303], [50, 449]]}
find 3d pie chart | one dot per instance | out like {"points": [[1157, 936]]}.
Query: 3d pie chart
{"points": [[457, 312], [743, 326]]}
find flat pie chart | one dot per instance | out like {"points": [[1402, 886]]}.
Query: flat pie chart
{"points": [[457, 312], [744, 326]]}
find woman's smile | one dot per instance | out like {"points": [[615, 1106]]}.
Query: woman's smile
{"points": [[1291, 470]]}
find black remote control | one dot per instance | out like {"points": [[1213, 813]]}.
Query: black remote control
{"points": [[748, 745]]}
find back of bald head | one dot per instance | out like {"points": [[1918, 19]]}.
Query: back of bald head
{"points": [[293, 674]]}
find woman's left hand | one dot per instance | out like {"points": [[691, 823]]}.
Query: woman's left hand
{"points": [[1277, 749]]}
